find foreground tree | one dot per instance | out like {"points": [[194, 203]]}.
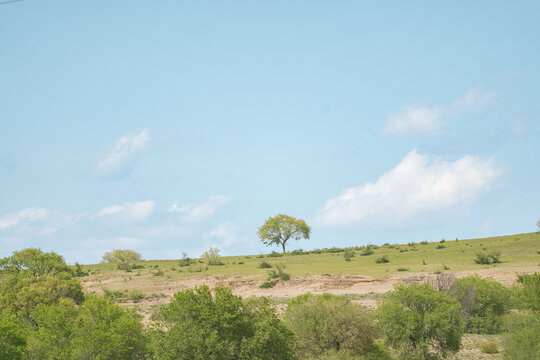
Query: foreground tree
{"points": [[197, 326], [420, 322], [331, 327], [279, 229], [122, 257], [484, 302]]}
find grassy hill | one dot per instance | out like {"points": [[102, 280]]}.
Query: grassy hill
{"points": [[516, 251]]}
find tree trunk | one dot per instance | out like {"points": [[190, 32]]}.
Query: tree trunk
{"points": [[283, 244]]}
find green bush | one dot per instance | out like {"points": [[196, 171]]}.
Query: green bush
{"points": [[522, 338], [488, 258], [367, 252], [327, 323], [267, 285], [382, 259], [484, 303], [12, 339], [278, 273], [529, 292], [198, 326], [419, 322], [349, 254], [489, 347], [265, 265]]}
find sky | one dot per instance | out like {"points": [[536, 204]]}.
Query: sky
{"points": [[174, 126]]}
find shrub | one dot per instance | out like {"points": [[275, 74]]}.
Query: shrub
{"points": [[529, 293], [199, 326], [522, 338], [348, 254], [489, 347], [12, 339], [402, 269], [274, 254], [267, 284], [212, 256], [420, 322], [122, 257], [299, 252], [488, 258], [440, 246], [368, 251], [382, 260], [330, 323], [279, 273], [484, 302], [185, 260], [265, 265]]}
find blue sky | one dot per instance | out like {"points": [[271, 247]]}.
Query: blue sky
{"points": [[172, 126]]}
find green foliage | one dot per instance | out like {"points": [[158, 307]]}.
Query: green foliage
{"points": [[529, 292], [265, 265], [31, 277], [489, 347], [122, 257], [279, 229], [484, 303], [267, 284], [33, 262], [493, 257], [278, 273], [330, 323], [79, 272], [12, 338], [368, 251], [522, 337], [197, 326], [212, 256], [420, 322], [349, 254], [274, 254], [383, 259], [185, 260]]}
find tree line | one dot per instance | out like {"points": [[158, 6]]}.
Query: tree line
{"points": [[45, 315]]}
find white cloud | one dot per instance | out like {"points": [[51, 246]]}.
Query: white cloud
{"points": [[225, 231], [28, 215], [419, 186], [123, 153], [128, 212], [424, 120], [194, 213]]}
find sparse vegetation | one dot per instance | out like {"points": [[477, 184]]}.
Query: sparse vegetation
{"points": [[383, 259], [212, 256], [493, 257], [489, 347]]}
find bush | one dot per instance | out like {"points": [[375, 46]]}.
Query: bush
{"points": [[382, 260], [529, 293], [274, 254], [122, 257], [420, 322], [488, 258], [522, 338], [198, 326], [440, 246], [330, 323], [489, 347], [279, 273], [185, 260], [402, 269], [265, 265], [12, 339], [212, 256], [484, 303], [267, 285], [348, 254], [367, 252]]}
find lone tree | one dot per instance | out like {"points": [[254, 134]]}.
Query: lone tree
{"points": [[122, 257], [280, 228]]}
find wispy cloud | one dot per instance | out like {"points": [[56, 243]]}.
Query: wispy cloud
{"points": [[420, 185], [225, 232], [25, 215], [424, 120], [199, 212], [128, 212], [126, 150]]}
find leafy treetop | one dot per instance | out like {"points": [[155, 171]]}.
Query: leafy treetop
{"points": [[280, 228], [121, 256]]}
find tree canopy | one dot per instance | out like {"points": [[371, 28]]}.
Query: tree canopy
{"points": [[121, 257], [279, 229]]}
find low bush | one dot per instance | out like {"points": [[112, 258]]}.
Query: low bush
{"points": [[265, 265], [367, 252], [278, 273], [489, 347], [484, 303], [274, 254], [331, 327], [493, 257], [267, 284], [382, 259], [349, 254], [419, 322]]}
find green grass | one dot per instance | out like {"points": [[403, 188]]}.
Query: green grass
{"points": [[516, 251]]}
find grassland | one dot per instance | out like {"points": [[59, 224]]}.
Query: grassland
{"points": [[516, 251]]}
